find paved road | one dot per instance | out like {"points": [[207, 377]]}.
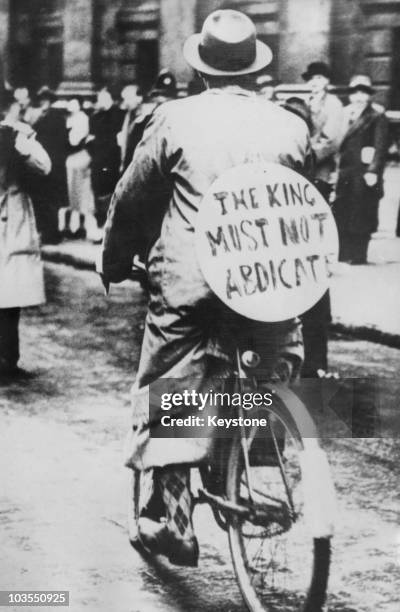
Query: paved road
{"points": [[63, 494]]}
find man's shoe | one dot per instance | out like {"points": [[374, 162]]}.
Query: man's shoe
{"points": [[184, 552], [157, 539], [8, 375]]}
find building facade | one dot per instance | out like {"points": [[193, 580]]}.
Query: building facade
{"points": [[78, 45]]}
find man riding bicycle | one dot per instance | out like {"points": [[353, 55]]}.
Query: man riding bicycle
{"points": [[189, 334]]}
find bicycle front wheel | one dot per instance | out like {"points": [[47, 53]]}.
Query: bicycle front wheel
{"points": [[278, 561]]}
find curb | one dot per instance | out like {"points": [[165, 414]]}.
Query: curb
{"points": [[80, 263], [59, 255], [370, 334], [360, 332]]}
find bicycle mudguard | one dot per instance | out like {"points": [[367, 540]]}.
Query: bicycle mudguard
{"points": [[318, 487], [296, 409]]}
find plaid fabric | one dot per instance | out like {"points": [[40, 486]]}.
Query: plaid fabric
{"points": [[175, 488]]}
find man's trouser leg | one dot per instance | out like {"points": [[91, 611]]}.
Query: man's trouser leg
{"points": [[9, 338], [315, 334]]}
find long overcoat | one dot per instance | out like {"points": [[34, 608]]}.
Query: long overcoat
{"points": [[188, 333], [363, 149], [21, 271]]}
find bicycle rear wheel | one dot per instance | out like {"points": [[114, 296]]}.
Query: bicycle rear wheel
{"points": [[279, 563]]}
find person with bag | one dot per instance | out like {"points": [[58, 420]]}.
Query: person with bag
{"points": [[362, 159], [21, 271]]}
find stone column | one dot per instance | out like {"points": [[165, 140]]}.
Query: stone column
{"points": [[177, 22], [305, 38], [137, 23], [47, 42], [4, 38], [78, 48]]}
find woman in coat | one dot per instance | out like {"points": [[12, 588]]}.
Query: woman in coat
{"points": [[361, 164], [21, 273]]}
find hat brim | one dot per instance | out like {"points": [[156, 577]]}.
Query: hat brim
{"points": [[192, 56], [307, 76], [364, 88]]}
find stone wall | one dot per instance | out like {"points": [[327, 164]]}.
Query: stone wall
{"points": [[122, 41], [382, 47], [305, 37], [4, 33], [79, 50], [347, 39], [177, 22], [108, 70]]}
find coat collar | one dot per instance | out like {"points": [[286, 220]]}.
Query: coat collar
{"points": [[365, 117], [232, 90]]}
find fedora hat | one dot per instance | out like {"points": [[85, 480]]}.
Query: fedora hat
{"points": [[227, 45], [316, 68], [361, 82]]}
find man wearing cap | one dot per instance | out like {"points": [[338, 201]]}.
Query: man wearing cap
{"points": [[189, 334], [362, 161]]}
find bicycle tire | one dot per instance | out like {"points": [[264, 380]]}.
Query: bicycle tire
{"points": [[313, 597]]}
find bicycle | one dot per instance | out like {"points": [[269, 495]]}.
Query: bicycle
{"points": [[273, 494], [256, 495]]}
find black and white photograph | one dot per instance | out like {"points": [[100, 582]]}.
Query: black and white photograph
{"points": [[200, 305]]}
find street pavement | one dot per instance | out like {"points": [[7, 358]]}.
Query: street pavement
{"points": [[63, 485], [365, 299]]}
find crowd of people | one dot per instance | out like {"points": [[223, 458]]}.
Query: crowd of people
{"points": [[64, 165], [90, 146]]}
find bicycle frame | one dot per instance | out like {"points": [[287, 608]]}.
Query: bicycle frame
{"points": [[283, 513]]}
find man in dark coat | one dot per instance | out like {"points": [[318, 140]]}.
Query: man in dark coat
{"points": [[164, 89], [49, 193], [105, 123], [362, 161]]}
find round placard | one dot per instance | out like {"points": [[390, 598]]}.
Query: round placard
{"points": [[265, 239]]}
